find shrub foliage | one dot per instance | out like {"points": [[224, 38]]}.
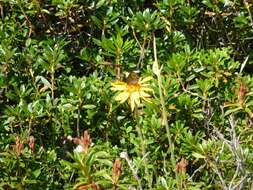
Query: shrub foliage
{"points": [[72, 117]]}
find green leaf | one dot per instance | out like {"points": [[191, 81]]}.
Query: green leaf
{"points": [[44, 81], [100, 3], [228, 112], [197, 155], [89, 106], [36, 173]]}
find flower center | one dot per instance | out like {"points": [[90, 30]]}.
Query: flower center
{"points": [[133, 87]]}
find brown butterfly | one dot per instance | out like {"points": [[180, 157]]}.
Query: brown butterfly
{"points": [[132, 78]]}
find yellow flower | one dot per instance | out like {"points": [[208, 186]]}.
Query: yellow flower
{"points": [[134, 93]]}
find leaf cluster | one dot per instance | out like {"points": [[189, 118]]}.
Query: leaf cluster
{"points": [[58, 59]]}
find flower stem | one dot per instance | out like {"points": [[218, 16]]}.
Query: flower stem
{"points": [[143, 143], [143, 148], [157, 72]]}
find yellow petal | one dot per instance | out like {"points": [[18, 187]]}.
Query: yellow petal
{"points": [[145, 80], [135, 99], [122, 97], [131, 104], [146, 99], [144, 85], [134, 95], [144, 94], [118, 86], [146, 89]]}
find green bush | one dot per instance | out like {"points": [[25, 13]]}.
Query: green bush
{"points": [[76, 115]]}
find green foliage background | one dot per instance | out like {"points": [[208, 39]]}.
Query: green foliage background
{"points": [[58, 59]]}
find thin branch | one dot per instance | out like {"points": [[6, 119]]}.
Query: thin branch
{"points": [[216, 170], [124, 155], [234, 146], [138, 42], [164, 112], [197, 170], [27, 19], [234, 177]]}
